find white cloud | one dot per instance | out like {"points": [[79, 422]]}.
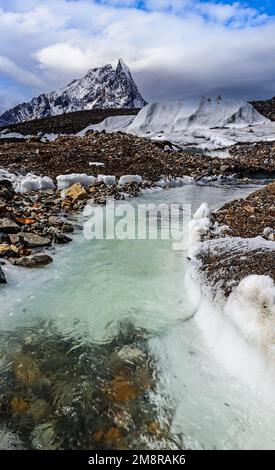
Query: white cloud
{"points": [[176, 49], [10, 69]]}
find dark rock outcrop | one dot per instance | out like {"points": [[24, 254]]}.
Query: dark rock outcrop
{"points": [[266, 108], [2, 277]]}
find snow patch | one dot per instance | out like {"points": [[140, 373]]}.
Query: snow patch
{"points": [[66, 181], [13, 135], [251, 308], [175, 182], [129, 179], [96, 164], [108, 180], [200, 224], [30, 182], [34, 183], [110, 124], [202, 212]]}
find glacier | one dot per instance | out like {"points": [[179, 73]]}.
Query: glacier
{"points": [[211, 125]]}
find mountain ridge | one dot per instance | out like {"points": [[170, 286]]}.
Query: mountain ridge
{"points": [[100, 88]]}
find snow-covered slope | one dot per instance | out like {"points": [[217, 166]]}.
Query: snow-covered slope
{"points": [[221, 113], [110, 124], [177, 117], [158, 117], [102, 87], [210, 125]]}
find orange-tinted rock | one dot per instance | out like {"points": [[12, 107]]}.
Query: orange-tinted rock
{"points": [[18, 405], [249, 209], [25, 220], [76, 192], [98, 435], [155, 429], [122, 390], [113, 436]]}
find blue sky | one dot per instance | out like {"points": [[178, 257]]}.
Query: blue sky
{"points": [[267, 6], [176, 49]]}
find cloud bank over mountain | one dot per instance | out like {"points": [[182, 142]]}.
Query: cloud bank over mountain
{"points": [[176, 49]]}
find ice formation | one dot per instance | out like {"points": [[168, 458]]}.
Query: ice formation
{"points": [[13, 135], [66, 181], [108, 180], [211, 125], [34, 183], [250, 307], [129, 179], [27, 183], [110, 124], [175, 118]]}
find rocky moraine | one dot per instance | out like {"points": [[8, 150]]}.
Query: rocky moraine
{"points": [[30, 224]]}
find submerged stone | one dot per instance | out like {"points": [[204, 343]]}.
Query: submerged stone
{"points": [[26, 370], [130, 354], [113, 436], [44, 437], [9, 440], [39, 409], [19, 405], [122, 390]]}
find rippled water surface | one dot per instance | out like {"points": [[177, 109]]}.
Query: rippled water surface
{"points": [[96, 351]]}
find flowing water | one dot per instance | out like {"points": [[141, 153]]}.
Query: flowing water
{"points": [[99, 350]]}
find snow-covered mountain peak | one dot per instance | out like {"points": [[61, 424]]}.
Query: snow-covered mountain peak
{"points": [[100, 88], [123, 68]]}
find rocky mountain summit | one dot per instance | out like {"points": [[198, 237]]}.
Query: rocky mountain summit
{"points": [[101, 88]]}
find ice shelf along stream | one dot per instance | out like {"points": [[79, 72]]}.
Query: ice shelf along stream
{"points": [[95, 352]]}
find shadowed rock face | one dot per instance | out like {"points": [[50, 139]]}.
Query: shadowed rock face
{"points": [[102, 87], [266, 108]]}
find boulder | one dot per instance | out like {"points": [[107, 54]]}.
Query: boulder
{"points": [[60, 238], [33, 261], [6, 190], [8, 250], [25, 369], [33, 240], [131, 354], [8, 225], [76, 192]]}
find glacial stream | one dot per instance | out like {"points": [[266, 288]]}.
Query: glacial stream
{"points": [[96, 351]]}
